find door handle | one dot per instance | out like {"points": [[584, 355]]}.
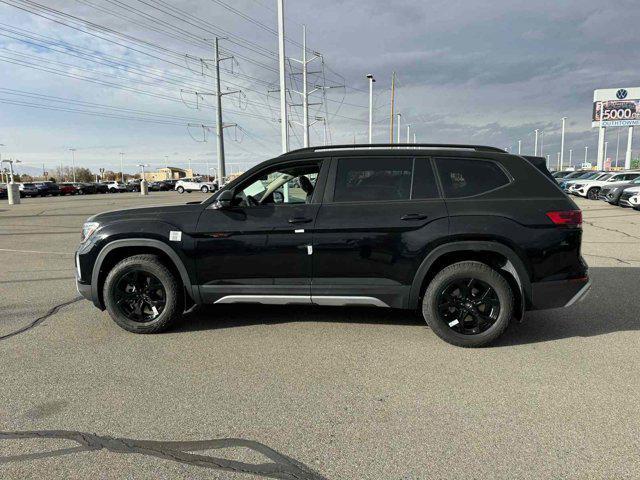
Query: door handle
{"points": [[300, 220], [414, 216]]}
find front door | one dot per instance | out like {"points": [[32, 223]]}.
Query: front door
{"points": [[379, 218], [259, 249]]}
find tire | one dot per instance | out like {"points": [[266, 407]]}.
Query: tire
{"points": [[483, 276], [592, 193], [180, 189], [204, 189], [150, 266]]}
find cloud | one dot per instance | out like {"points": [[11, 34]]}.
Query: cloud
{"points": [[468, 70]]}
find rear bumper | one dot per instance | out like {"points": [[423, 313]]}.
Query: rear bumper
{"points": [[558, 294]]}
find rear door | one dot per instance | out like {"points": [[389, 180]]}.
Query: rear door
{"points": [[380, 216]]}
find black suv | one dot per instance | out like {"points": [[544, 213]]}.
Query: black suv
{"points": [[471, 236]]}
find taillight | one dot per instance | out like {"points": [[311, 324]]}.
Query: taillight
{"points": [[567, 218]]}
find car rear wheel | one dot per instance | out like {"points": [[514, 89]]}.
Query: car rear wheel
{"points": [[180, 189], [204, 189], [592, 193], [142, 295], [468, 304]]}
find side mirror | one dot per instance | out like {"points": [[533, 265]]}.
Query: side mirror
{"points": [[224, 200]]}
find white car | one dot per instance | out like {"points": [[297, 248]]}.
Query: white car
{"points": [[115, 187], [591, 189], [627, 195], [194, 185], [635, 201], [577, 177]]}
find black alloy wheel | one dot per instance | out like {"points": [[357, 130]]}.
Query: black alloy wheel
{"points": [[140, 296], [468, 306], [592, 194]]}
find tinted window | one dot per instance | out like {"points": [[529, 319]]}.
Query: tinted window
{"points": [[468, 177], [424, 180], [373, 179]]}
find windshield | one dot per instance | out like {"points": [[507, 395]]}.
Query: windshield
{"points": [[605, 176]]}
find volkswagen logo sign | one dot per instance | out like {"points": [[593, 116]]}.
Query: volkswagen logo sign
{"points": [[621, 94]]}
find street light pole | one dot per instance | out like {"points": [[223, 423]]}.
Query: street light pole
{"points": [[73, 163], [519, 147], [564, 120], [535, 145], [586, 154], [398, 116], [122, 167], [371, 82], [408, 132]]}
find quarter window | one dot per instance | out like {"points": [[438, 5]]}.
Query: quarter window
{"points": [[373, 179], [468, 177]]}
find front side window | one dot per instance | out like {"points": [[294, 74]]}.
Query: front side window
{"points": [[366, 179], [468, 177], [284, 185]]}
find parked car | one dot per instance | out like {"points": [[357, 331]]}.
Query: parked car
{"points": [[3, 191], [627, 195], [101, 187], [635, 201], [591, 189], [133, 185], [85, 188], [48, 188], [68, 189], [569, 180], [167, 185], [28, 190], [116, 187], [562, 174], [397, 227], [611, 193], [195, 184]]}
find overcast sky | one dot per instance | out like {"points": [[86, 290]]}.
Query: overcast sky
{"points": [[469, 71]]}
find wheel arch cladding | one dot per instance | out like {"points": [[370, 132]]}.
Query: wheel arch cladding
{"points": [[494, 254], [114, 252]]}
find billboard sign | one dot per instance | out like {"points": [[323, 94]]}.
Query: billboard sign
{"points": [[620, 107]]}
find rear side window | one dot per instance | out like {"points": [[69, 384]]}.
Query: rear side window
{"points": [[468, 177], [366, 179]]}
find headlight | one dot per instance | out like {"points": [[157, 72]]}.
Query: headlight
{"points": [[88, 229]]}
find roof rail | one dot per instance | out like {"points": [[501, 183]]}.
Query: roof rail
{"points": [[400, 146]]}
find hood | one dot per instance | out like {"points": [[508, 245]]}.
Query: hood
{"points": [[633, 189], [156, 212]]}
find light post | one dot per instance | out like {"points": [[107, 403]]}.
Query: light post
{"points": [[535, 144], [542, 143], [564, 120], [559, 162], [586, 154], [398, 116], [570, 156], [371, 82], [604, 158], [519, 147], [408, 132], [73, 163], [144, 190], [122, 167]]}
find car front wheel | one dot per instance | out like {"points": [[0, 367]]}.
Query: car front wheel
{"points": [[592, 194], [142, 295], [468, 304], [204, 189], [180, 190]]}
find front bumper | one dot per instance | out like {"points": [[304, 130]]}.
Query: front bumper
{"points": [[558, 294]]}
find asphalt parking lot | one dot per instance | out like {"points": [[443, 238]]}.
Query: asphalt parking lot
{"points": [[309, 393]]}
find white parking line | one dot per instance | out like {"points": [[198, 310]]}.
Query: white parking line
{"points": [[35, 251]]}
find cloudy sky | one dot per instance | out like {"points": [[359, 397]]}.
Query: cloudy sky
{"points": [[110, 76]]}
